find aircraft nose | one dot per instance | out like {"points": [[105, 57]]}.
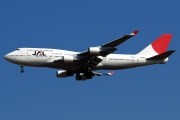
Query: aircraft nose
{"points": [[6, 57]]}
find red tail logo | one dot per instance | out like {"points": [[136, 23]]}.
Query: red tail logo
{"points": [[160, 45]]}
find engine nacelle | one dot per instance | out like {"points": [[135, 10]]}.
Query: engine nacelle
{"points": [[94, 50], [63, 74], [68, 59]]}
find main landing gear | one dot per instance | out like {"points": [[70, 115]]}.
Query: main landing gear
{"points": [[22, 69], [84, 74]]}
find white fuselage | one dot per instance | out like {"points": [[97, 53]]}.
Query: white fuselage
{"points": [[42, 57]]}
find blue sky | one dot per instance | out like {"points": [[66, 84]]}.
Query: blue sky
{"points": [[145, 93]]}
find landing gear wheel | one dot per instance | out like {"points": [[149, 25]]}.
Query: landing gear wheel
{"points": [[22, 70], [78, 77]]}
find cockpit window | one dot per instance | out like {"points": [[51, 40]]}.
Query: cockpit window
{"points": [[17, 49]]}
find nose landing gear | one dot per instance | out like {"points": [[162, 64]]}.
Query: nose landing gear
{"points": [[22, 69]]}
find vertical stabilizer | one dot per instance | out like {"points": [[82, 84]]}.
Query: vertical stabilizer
{"points": [[159, 46]]}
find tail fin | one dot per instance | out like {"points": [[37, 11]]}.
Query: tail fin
{"points": [[159, 46]]}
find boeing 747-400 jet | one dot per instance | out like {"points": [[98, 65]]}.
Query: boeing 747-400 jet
{"points": [[85, 64]]}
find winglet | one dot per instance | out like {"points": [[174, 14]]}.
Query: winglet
{"points": [[136, 32], [111, 73]]}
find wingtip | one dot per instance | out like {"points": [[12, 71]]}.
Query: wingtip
{"points": [[136, 31], [111, 73]]}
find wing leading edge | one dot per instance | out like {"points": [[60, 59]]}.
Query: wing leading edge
{"points": [[118, 41]]}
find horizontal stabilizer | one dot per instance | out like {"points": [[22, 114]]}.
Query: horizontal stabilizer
{"points": [[161, 56]]}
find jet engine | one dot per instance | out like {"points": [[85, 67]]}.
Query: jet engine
{"points": [[94, 50], [63, 74], [68, 59]]}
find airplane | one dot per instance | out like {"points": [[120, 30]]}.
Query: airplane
{"points": [[85, 64]]}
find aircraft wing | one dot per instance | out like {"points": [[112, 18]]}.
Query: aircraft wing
{"points": [[91, 57], [107, 48], [118, 41], [83, 76], [101, 74]]}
